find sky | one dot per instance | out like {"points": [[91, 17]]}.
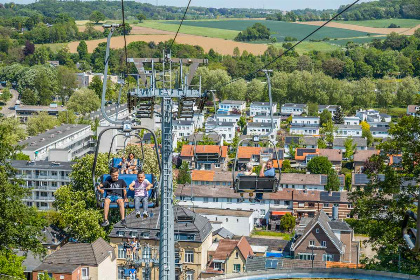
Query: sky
{"points": [[267, 4]]}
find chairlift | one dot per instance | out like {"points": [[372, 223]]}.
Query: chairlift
{"points": [[206, 157], [411, 235], [114, 162]]}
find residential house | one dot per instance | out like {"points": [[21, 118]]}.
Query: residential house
{"points": [[379, 124], [239, 222], [299, 181], [344, 130], [309, 142], [305, 121], [331, 108], [262, 129], [335, 156], [304, 130], [43, 178], [198, 120], [137, 245], [267, 119], [183, 128], [360, 157], [229, 257], [371, 115], [93, 261], [210, 177], [412, 110], [361, 143], [227, 130], [84, 79], [360, 180], [205, 157], [227, 118], [222, 233], [257, 156], [293, 109], [380, 132], [269, 245], [304, 155], [326, 239], [351, 120], [262, 108], [24, 112], [198, 137], [63, 143], [228, 106]]}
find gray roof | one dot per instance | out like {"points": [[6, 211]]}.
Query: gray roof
{"points": [[215, 123], [50, 165], [200, 227], [310, 141], [261, 104], [89, 254], [57, 268], [383, 115], [53, 235], [182, 122], [290, 139], [258, 124], [359, 141], [323, 220], [347, 126], [30, 262], [223, 233], [293, 105], [199, 136], [236, 102], [339, 225], [111, 109], [223, 212], [39, 108], [274, 244], [55, 134]]}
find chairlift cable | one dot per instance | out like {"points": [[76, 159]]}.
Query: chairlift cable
{"points": [[182, 20], [292, 47]]}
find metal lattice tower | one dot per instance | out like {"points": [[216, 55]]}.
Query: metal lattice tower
{"points": [[167, 94]]}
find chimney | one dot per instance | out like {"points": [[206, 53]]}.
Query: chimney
{"points": [[335, 213]]}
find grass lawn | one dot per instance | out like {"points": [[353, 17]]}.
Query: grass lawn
{"points": [[193, 30], [284, 236], [306, 47], [394, 111], [54, 46], [384, 23]]}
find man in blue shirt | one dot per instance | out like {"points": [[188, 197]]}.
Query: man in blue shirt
{"points": [[267, 170]]}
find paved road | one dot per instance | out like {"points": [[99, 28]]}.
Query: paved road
{"points": [[8, 110]]}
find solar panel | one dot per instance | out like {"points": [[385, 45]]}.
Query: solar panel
{"points": [[300, 151]]}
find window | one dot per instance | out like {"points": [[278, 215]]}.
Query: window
{"points": [[215, 199], [85, 273], [301, 204], [205, 199], [311, 204], [276, 202], [262, 211], [326, 205], [217, 165], [121, 273], [146, 254], [236, 268], [324, 244], [349, 206], [120, 233], [237, 255], [327, 257], [121, 252], [336, 204], [190, 275], [286, 202], [306, 257], [227, 219], [189, 256], [311, 242], [217, 266], [317, 230], [229, 200]]}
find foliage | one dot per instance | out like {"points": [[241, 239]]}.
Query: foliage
{"points": [[184, 175], [286, 164], [82, 50], [242, 122], [338, 116], [312, 109], [374, 165], [319, 165], [253, 33], [350, 148], [381, 205], [321, 144], [12, 130], [284, 236], [83, 101], [328, 129], [292, 148], [366, 133], [206, 140], [324, 117], [333, 182], [288, 222], [68, 117], [5, 95], [141, 17], [40, 123], [96, 16], [11, 264], [66, 82]]}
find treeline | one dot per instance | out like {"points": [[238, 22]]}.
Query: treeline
{"points": [[253, 33], [382, 9], [81, 10]]}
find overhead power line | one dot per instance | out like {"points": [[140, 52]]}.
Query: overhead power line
{"points": [[179, 27], [292, 47]]}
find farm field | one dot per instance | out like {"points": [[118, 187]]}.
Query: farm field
{"points": [[279, 28], [384, 23], [307, 46]]}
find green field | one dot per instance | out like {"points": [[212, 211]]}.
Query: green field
{"points": [[307, 46], [384, 23], [193, 30], [279, 29]]}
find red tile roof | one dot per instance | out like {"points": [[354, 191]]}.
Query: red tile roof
{"points": [[188, 150], [364, 155], [202, 175], [331, 154], [226, 247], [248, 152]]}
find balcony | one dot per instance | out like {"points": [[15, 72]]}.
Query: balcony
{"points": [[45, 198]]}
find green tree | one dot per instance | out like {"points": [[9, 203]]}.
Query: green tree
{"points": [[236, 90], [321, 144], [242, 122], [66, 82], [40, 123], [288, 222], [96, 85], [254, 91], [5, 95], [338, 116], [96, 16], [84, 101], [67, 116], [11, 265], [15, 131], [333, 182], [184, 173], [82, 50], [312, 109], [29, 97], [286, 165], [319, 165], [328, 129], [366, 133], [380, 206], [206, 140], [325, 117], [350, 148], [141, 17]]}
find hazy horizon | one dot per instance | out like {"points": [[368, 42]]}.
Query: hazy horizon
{"points": [[266, 4]]}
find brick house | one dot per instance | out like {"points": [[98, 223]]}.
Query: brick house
{"points": [[205, 157], [360, 157], [326, 239], [92, 261]]}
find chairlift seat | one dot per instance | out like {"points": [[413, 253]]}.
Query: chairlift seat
{"points": [[129, 178], [207, 157], [116, 161], [255, 184]]}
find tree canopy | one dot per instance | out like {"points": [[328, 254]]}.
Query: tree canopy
{"points": [[319, 165], [84, 101]]}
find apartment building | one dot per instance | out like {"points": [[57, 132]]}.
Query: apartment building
{"points": [[267, 119], [331, 108], [24, 112], [227, 130], [371, 115], [63, 143], [262, 129], [344, 130], [361, 143], [307, 121], [137, 245], [293, 109], [182, 128], [351, 120], [227, 118], [205, 157], [227, 106], [44, 178], [262, 108], [304, 130]]}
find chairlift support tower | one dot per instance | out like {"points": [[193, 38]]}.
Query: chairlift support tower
{"points": [[188, 97]]}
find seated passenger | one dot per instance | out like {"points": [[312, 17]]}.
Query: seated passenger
{"points": [[132, 164], [123, 166], [118, 195], [141, 186], [249, 172], [267, 170]]}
